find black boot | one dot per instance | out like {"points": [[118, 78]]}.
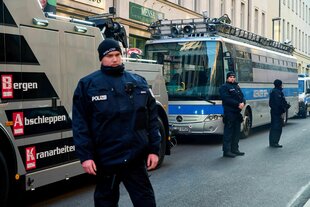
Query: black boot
{"points": [[238, 153], [228, 154], [276, 146]]}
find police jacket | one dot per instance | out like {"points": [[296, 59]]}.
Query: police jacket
{"points": [[277, 101], [114, 118], [231, 96]]}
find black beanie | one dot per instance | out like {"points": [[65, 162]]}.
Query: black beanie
{"points": [[277, 83], [230, 73], [107, 46]]}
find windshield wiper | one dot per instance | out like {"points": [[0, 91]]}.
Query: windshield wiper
{"points": [[209, 101]]}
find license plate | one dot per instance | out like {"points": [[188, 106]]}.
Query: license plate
{"points": [[181, 129]]}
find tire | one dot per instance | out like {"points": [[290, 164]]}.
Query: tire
{"points": [[247, 124], [4, 182], [163, 143]]}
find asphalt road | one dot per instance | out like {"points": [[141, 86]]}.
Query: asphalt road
{"points": [[197, 175]]}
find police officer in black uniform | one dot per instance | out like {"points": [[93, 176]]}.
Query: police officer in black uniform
{"points": [[116, 130], [233, 102], [278, 106]]}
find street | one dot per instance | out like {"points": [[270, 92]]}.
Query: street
{"points": [[196, 174]]}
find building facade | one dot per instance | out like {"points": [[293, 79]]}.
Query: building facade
{"points": [[295, 28], [135, 15]]}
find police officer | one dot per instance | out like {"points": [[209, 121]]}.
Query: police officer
{"points": [[116, 130], [233, 102], [278, 106]]}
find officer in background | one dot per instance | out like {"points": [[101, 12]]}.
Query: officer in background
{"points": [[233, 102], [116, 130], [278, 107], [48, 6]]}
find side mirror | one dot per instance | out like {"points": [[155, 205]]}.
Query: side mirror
{"points": [[308, 90]]}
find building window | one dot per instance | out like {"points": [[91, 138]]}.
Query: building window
{"points": [[196, 5], [292, 5], [233, 11], [296, 40], [302, 42], [306, 43], [263, 24], [306, 13], [288, 3], [288, 31], [303, 10], [309, 45], [222, 7], [137, 42], [242, 16], [299, 36], [284, 2], [256, 21], [283, 30], [180, 2], [299, 8], [292, 35]]}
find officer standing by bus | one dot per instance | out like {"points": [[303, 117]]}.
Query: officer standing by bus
{"points": [[278, 107], [233, 102], [116, 130]]}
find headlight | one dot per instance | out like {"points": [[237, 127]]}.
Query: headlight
{"points": [[212, 117]]}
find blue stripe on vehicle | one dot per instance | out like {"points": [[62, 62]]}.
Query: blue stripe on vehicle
{"points": [[195, 109], [200, 109], [263, 93]]}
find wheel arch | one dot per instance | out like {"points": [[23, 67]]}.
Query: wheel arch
{"points": [[249, 109], [247, 122], [163, 116], [8, 151]]}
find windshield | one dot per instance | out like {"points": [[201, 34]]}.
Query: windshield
{"points": [[192, 70]]}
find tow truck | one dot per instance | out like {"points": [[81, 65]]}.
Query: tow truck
{"points": [[42, 57]]}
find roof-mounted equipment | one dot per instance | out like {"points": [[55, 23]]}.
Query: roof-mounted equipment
{"points": [[206, 27]]}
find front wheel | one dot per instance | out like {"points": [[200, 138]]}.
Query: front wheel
{"points": [[163, 143], [4, 182], [302, 110]]}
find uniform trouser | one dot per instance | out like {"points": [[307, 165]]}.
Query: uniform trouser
{"points": [[136, 181], [275, 129], [231, 135]]}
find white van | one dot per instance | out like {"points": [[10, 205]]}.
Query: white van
{"points": [[304, 95]]}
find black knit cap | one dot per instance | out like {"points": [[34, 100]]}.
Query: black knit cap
{"points": [[230, 73], [107, 46], [277, 83]]}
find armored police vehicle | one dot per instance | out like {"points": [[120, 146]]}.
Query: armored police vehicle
{"points": [[42, 57]]}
